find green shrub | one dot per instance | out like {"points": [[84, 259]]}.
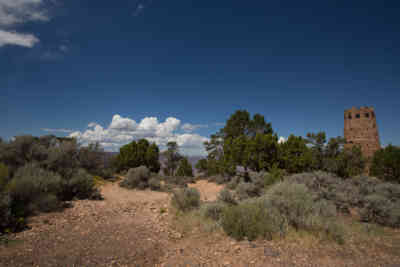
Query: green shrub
{"points": [[155, 184], [294, 201], [81, 186], [185, 199], [380, 209], [247, 190], [226, 196], [136, 154], [284, 204], [6, 217], [184, 168], [219, 179], [252, 220], [303, 211], [344, 193], [234, 182], [213, 210], [386, 164], [29, 186], [63, 159], [275, 175], [4, 176], [136, 178]]}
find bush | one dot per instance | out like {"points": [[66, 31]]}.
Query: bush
{"points": [[3, 176], [137, 178], [81, 186], [63, 159], [184, 168], [226, 196], [136, 154], [284, 204], [294, 201], [377, 201], [330, 187], [6, 216], [213, 210], [386, 164], [234, 182], [155, 184], [380, 209], [247, 190], [219, 179], [186, 199], [252, 220], [30, 186]]}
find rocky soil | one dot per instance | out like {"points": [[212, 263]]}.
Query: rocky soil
{"points": [[136, 228]]}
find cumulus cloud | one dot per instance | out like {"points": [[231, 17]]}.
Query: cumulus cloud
{"points": [[123, 130], [187, 127], [15, 12], [281, 140], [57, 130]]}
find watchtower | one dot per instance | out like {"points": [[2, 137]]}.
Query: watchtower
{"points": [[360, 129]]}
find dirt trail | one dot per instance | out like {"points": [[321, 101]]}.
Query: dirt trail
{"points": [[122, 230], [134, 228]]}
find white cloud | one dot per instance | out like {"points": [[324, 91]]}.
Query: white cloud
{"points": [[92, 124], [14, 38], [119, 123], [281, 140], [57, 130], [123, 130], [15, 12], [187, 127]]}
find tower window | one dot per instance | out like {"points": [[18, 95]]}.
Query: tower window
{"points": [[367, 115], [357, 116], [349, 116]]}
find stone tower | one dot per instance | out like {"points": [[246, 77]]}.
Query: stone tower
{"points": [[360, 129]]}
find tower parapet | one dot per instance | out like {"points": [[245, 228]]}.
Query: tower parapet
{"points": [[360, 128]]}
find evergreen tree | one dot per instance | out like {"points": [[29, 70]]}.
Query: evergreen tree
{"points": [[386, 164], [173, 158], [140, 153], [294, 155], [185, 168]]}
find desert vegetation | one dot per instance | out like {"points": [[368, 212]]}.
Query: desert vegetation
{"points": [[300, 184], [39, 174], [271, 188]]}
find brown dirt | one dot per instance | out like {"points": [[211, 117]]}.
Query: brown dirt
{"points": [[135, 228], [208, 191]]}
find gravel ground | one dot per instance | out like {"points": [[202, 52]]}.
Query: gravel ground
{"points": [[134, 228]]}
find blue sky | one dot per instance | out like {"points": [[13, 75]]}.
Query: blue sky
{"points": [[125, 67]]}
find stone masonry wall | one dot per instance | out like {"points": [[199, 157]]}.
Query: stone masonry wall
{"points": [[360, 128]]}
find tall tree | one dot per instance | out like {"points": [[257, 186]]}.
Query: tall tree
{"points": [[262, 152], [238, 124], [185, 168], [386, 164], [294, 155], [140, 153], [173, 158], [317, 140]]}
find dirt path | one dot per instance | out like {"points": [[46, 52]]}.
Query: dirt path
{"points": [[122, 230], [135, 228]]}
